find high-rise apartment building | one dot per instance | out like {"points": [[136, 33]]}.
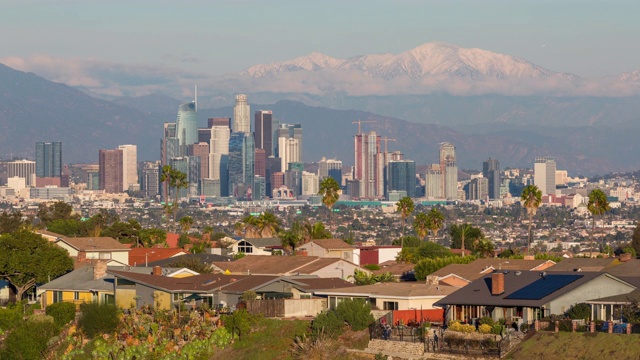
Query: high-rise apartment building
{"points": [[433, 185], [264, 131], [544, 175], [367, 147], [187, 126], [111, 167], [150, 182], [218, 157], [130, 166], [491, 171], [330, 168], [48, 159], [241, 115], [477, 189], [449, 168], [25, 169], [402, 176], [169, 145], [310, 183], [289, 151]]}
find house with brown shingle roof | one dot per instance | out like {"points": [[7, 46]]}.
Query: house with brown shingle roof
{"points": [[289, 265], [84, 249], [462, 274], [331, 248]]}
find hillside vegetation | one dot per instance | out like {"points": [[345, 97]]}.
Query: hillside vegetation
{"points": [[578, 346]]}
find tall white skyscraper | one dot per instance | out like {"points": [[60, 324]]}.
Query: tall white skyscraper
{"points": [[289, 149], [367, 147], [544, 174], [219, 147], [241, 114], [449, 168], [129, 166]]}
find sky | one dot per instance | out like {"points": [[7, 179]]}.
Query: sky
{"points": [[587, 38]]}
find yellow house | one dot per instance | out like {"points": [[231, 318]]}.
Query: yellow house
{"points": [[331, 248], [87, 284]]}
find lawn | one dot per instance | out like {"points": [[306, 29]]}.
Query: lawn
{"points": [[578, 346]]}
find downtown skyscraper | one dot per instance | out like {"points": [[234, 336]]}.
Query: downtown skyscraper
{"points": [[241, 115], [264, 131], [186, 126], [491, 171], [48, 159], [544, 174], [449, 169], [366, 149]]}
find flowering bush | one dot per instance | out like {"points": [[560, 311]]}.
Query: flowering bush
{"points": [[485, 329]]}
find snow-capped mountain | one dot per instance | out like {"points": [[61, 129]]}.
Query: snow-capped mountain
{"points": [[633, 76], [427, 60]]}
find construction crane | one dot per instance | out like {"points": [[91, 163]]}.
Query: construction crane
{"points": [[386, 141], [360, 122]]}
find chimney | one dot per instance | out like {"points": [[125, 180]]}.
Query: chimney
{"points": [[82, 256], [497, 283], [624, 257], [157, 271], [99, 270], [432, 279]]}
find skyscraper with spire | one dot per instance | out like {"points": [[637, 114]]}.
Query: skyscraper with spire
{"points": [[241, 115], [187, 126]]}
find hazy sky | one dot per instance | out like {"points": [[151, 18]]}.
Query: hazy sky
{"points": [[588, 38]]}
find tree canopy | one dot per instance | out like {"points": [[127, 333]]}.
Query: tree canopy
{"points": [[32, 260]]}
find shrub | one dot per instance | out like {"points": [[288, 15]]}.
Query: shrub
{"points": [[98, 318], [579, 311], [485, 329], [356, 313], [29, 339], [62, 313], [239, 322], [327, 323], [10, 317], [457, 326], [372, 267], [486, 320], [496, 329]]}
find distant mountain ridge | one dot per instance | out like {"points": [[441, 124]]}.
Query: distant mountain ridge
{"points": [[430, 59]]}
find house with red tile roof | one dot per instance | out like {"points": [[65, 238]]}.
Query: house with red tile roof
{"points": [[144, 256]]}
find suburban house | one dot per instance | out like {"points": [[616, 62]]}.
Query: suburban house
{"points": [[289, 266], [378, 254], [87, 284], [257, 246], [462, 274], [407, 300], [144, 256], [331, 248], [207, 259], [401, 271], [220, 290], [524, 296], [91, 248]]}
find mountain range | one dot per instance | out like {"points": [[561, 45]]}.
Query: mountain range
{"points": [[587, 134]]}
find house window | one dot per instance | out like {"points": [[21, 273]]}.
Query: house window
{"points": [[390, 305], [305, 296], [105, 256], [76, 295], [245, 247], [345, 255], [177, 297], [57, 296]]}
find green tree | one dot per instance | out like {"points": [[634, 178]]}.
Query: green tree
{"points": [[239, 323], [98, 318], [425, 267], [484, 248], [436, 220], [531, 199], [267, 224], [364, 278], [597, 205], [421, 225], [165, 179], [56, 211], [11, 222], [28, 341], [191, 263], [31, 260], [405, 207], [127, 232], [186, 222], [67, 227], [635, 240], [293, 237], [178, 181], [330, 191], [316, 231], [407, 242], [152, 236], [463, 236]]}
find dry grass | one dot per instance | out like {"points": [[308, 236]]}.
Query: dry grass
{"points": [[578, 346]]}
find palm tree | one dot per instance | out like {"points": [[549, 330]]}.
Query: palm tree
{"points": [[249, 227], [421, 225], [185, 223], [462, 233], [268, 224], [531, 199], [316, 231], [292, 237], [436, 220], [597, 205], [165, 178], [485, 248], [405, 207], [330, 191]]}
